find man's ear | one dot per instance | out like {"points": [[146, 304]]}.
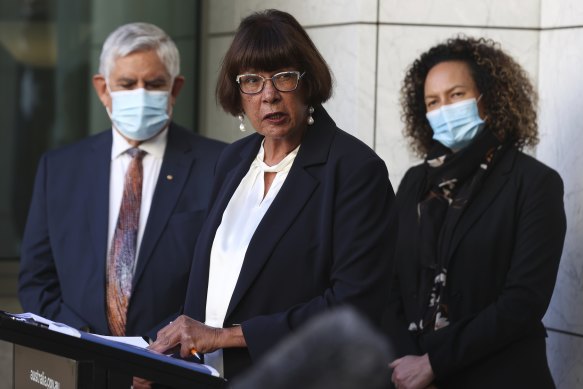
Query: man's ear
{"points": [[100, 87], [176, 88]]}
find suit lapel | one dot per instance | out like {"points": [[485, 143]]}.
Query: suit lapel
{"points": [[491, 189], [295, 192], [98, 169], [233, 179], [178, 160], [201, 265]]}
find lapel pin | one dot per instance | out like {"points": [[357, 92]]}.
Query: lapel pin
{"points": [[169, 177]]}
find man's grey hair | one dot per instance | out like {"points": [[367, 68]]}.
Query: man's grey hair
{"points": [[135, 37]]}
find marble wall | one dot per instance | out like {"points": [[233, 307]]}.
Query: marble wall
{"points": [[370, 43], [561, 127], [344, 31]]}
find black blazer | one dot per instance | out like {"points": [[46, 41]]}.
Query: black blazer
{"points": [[504, 257], [63, 258], [321, 243]]}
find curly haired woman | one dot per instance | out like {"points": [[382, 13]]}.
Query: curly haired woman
{"points": [[480, 226]]}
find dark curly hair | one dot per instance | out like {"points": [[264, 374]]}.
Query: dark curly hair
{"points": [[507, 93]]}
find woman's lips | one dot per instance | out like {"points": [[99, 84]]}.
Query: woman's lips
{"points": [[275, 117]]}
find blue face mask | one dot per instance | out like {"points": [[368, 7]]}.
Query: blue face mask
{"points": [[139, 114], [455, 125]]}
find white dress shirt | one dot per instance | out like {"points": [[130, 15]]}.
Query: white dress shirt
{"points": [[240, 220], [120, 161]]}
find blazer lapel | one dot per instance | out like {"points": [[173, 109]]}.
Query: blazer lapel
{"points": [[233, 179], [491, 189], [295, 192], [98, 165], [200, 267], [178, 160], [293, 195]]}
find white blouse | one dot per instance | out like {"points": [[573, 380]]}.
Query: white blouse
{"points": [[240, 220]]}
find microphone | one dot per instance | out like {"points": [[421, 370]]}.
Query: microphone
{"points": [[338, 349]]}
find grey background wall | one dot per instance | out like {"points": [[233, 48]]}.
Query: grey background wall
{"points": [[561, 124], [369, 44]]}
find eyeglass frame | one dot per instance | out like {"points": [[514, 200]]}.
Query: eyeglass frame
{"points": [[265, 79]]}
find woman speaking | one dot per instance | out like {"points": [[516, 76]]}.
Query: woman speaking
{"points": [[300, 213]]}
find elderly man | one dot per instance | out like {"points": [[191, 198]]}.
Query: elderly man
{"points": [[114, 218]]}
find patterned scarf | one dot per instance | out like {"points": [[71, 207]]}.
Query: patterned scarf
{"points": [[452, 181]]}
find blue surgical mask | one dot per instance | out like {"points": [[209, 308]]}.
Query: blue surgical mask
{"points": [[455, 125], [139, 114]]}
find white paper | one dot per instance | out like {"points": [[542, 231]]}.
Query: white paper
{"points": [[52, 325], [137, 341]]}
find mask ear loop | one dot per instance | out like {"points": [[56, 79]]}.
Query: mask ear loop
{"points": [[477, 101], [107, 109], [170, 108]]}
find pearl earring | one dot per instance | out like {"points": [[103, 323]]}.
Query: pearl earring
{"points": [[310, 118], [241, 124]]}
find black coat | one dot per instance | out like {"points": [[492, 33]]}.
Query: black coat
{"points": [[321, 243], [504, 257]]}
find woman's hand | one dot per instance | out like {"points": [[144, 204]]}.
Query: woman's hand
{"points": [[193, 336], [412, 372], [188, 334]]}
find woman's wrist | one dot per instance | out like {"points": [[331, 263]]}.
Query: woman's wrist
{"points": [[427, 366], [231, 337]]}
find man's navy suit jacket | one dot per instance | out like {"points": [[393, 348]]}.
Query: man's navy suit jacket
{"points": [[64, 250]]}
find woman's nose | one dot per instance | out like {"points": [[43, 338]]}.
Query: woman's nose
{"points": [[269, 93]]}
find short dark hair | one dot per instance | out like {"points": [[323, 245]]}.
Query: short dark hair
{"points": [[267, 41], [507, 93]]}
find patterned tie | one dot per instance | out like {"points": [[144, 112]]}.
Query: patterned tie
{"points": [[122, 255]]}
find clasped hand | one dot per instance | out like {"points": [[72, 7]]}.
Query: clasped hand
{"points": [[412, 372]]}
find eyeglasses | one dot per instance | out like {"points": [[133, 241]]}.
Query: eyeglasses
{"points": [[251, 84]]}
